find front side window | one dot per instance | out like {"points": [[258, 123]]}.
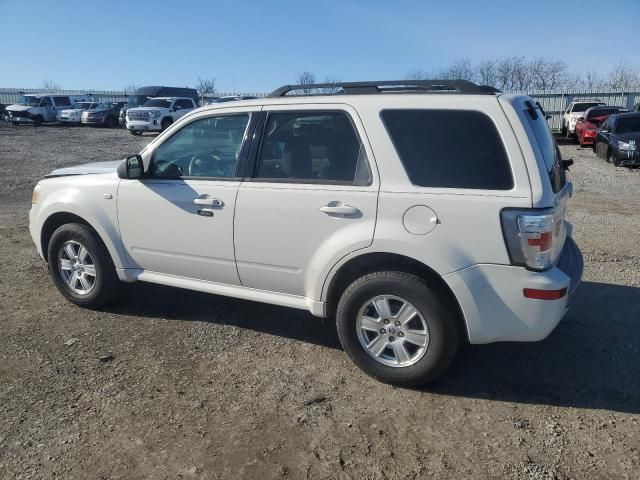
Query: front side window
{"points": [[61, 101], [157, 102], [450, 148], [207, 147], [312, 147], [184, 104], [46, 102], [628, 124]]}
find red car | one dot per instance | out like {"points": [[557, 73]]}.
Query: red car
{"points": [[587, 125]]}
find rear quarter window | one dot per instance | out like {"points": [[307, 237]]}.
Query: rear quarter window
{"points": [[449, 148]]}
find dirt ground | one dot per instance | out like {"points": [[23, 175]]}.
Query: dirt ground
{"points": [[206, 387]]}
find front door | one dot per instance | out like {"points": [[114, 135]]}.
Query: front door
{"points": [[311, 200], [178, 220]]}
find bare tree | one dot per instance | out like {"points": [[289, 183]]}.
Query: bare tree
{"points": [[306, 78], [333, 88], [461, 69], [546, 74], [487, 72], [206, 87], [623, 75], [50, 85], [419, 74], [130, 89], [592, 79]]}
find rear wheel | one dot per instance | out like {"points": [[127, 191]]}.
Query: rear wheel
{"points": [[38, 120], [81, 267], [110, 122], [395, 329]]}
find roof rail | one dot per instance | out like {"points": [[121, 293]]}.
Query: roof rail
{"points": [[387, 86]]}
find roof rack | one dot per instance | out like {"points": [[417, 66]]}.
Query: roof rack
{"points": [[387, 86]]}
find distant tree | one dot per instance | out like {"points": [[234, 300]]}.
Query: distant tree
{"points": [[333, 86], [130, 89], [487, 71], [206, 87], [419, 74], [50, 85], [306, 78], [623, 75]]}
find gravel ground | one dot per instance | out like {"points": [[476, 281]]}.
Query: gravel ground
{"points": [[204, 387]]}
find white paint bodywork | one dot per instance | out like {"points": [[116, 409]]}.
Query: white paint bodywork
{"points": [[155, 124], [48, 114], [270, 242]]}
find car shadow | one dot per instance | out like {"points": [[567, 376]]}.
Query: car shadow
{"points": [[591, 360]]}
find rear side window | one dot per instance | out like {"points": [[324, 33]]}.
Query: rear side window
{"points": [[61, 101], [449, 148]]}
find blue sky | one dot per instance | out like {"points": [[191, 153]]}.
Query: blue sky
{"points": [[259, 45]]}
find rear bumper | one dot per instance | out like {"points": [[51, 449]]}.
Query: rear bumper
{"points": [[494, 305]]}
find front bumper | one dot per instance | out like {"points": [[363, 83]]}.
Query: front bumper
{"points": [[142, 126], [93, 121], [627, 158], [17, 120], [494, 306], [68, 120], [588, 137]]}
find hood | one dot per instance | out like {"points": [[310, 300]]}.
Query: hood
{"points": [[71, 110], [19, 108], [87, 168], [627, 137], [146, 109]]}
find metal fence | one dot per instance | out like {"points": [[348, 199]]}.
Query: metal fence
{"points": [[555, 103], [10, 95]]}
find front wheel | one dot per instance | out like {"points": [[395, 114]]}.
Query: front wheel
{"points": [[135, 133], [611, 158], [166, 123], [396, 329], [110, 122], [81, 267]]}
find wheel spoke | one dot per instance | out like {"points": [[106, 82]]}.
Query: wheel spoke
{"points": [[416, 337], [406, 313], [382, 307], [65, 264], [82, 253], [68, 249], [86, 285], [90, 270], [378, 345], [400, 352], [73, 279], [369, 323]]}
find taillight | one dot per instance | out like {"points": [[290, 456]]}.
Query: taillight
{"points": [[534, 237]]}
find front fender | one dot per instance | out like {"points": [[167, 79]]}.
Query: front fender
{"points": [[95, 203]]}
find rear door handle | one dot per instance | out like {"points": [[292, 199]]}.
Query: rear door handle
{"points": [[338, 208], [208, 201]]}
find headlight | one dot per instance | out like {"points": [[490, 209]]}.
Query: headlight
{"points": [[155, 114], [631, 146], [35, 197]]}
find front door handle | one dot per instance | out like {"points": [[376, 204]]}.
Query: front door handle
{"points": [[338, 208], [206, 200]]}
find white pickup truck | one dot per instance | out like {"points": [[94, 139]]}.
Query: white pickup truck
{"points": [[574, 111], [157, 114]]}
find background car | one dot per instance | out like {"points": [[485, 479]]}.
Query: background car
{"points": [[105, 114], [73, 114], [574, 111], [588, 124], [617, 139]]}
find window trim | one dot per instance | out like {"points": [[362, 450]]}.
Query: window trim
{"points": [[247, 140], [252, 164], [493, 191]]}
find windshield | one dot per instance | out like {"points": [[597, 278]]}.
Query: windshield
{"points": [[581, 107], [81, 106], [628, 124], [157, 102], [136, 100], [30, 101]]}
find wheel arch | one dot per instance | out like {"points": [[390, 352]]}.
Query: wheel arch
{"points": [[371, 262]]}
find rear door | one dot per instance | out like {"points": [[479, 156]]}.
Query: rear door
{"points": [[310, 199], [60, 102]]}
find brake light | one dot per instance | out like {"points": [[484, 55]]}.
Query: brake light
{"points": [[534, 237]]}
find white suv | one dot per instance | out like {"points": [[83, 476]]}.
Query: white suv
{"points": [[574, 111], [417, 214], [157, 114]]}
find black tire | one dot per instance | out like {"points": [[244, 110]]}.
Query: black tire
{"points": [[595, 147], [134, 133], [38, 120], [106, 286], [110, 122], [611, 158], [166, 123], [442, 325], [564, 131]]}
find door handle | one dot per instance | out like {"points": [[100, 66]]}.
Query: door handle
{"points": [[338, 208], [208, 201]]}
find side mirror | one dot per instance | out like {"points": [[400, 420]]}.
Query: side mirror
{"points": [[131, 167]]}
